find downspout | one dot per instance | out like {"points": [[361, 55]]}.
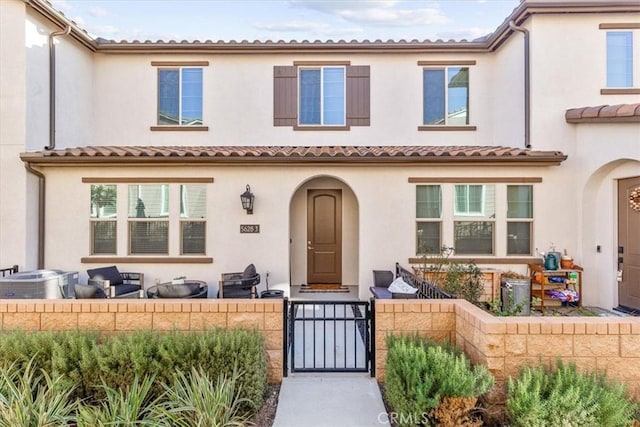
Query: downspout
{"points": [[41, 199], [527, 84], [52, 86]]}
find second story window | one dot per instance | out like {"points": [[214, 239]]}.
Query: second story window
{"points": [[180, 96], [619, 59], [446, 96], [322, 96]]}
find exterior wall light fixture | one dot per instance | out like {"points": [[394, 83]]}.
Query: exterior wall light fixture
{"points": [[247, 200]]}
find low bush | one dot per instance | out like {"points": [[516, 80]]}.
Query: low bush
{"points": [[86, 362], [30, 397], [422, 375], [566, 397]]}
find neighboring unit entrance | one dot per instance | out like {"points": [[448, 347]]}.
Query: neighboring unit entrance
{"points": [[629, 242], [324, 237]]}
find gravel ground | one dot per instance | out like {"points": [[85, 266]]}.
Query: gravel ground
{"points": [[267, 412]]}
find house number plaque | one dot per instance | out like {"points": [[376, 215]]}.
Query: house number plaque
{"points": [[249, 228]]}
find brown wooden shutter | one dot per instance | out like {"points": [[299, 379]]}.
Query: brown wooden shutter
{"points": [[358, 95], [285, 95]]}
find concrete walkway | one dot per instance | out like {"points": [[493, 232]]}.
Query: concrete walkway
{"points": [[328, 400]]}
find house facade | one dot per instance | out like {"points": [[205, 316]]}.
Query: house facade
{"points": [[357, 154]]}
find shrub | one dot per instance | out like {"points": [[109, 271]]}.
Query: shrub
{"points": [[420, 374], [566, 397], [88, 362], [30, 397], [464, 280], [122, 407], [196, 399]]}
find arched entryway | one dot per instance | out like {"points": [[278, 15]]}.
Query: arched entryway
{"points": [[323, 233]]}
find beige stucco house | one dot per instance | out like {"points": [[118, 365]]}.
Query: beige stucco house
{"points": [[358, 154]]}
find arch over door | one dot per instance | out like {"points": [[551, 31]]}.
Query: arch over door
{"points": [[629, 242], [324, 236]]}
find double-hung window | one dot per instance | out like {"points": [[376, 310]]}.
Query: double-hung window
{"points": [[428, 219], [622, 44], [152, 216], [519, 219], [322, 96], [619, 59], [104, 224], [445, 96], [193, 210], [180, 96]]}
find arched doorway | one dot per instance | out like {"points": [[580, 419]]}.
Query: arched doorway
{"points": [[324, 233]]}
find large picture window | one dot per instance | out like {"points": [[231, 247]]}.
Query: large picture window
{"points": [[322, 96], [446, 96], [180, 96]]}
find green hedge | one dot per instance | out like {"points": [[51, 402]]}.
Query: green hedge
{"points": [[565, 397], [420, 374], [87, 360]]}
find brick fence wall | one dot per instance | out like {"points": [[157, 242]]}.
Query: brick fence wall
{"points": [[128, 315], [504, 344]]}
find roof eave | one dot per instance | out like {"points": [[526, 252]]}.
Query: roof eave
{"points": [[43, 160], [57, 18]]}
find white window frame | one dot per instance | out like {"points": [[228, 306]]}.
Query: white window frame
{"points": [[449, 217], [180, 69], [344, 95], [446, 69]]}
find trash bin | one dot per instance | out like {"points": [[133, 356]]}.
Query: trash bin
{"points": [[272, 293], [514, 293]]}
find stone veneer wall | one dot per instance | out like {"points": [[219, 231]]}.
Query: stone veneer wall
{"points": [[504, 344], [160, 315]]}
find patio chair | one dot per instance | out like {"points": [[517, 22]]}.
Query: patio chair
{"points": [[239, 284], [117, 284], [381, 281]]}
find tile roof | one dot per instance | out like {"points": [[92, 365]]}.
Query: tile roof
{"points": [[604, 114], [298, 154]]}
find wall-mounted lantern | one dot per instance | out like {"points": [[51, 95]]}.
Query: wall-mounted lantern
{"points": [[247, 200]]}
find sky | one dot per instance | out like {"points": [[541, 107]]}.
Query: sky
{"points": [[287, 19]]}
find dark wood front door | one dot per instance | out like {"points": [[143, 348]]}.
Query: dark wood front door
{"points": [[324, 236], [629, 242]]}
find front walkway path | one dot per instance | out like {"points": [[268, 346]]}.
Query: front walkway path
{"points": [[328, 400]]}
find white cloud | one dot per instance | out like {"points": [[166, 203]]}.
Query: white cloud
{"points": [[308, 28], [98, 12], [62, 5], [378, 13], [466, 33]]}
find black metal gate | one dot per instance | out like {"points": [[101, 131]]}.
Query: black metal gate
{"points": [[329, 336]]}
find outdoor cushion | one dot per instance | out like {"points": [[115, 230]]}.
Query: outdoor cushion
{"points": [[88, 292], [178, 291], [106, 273]]}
